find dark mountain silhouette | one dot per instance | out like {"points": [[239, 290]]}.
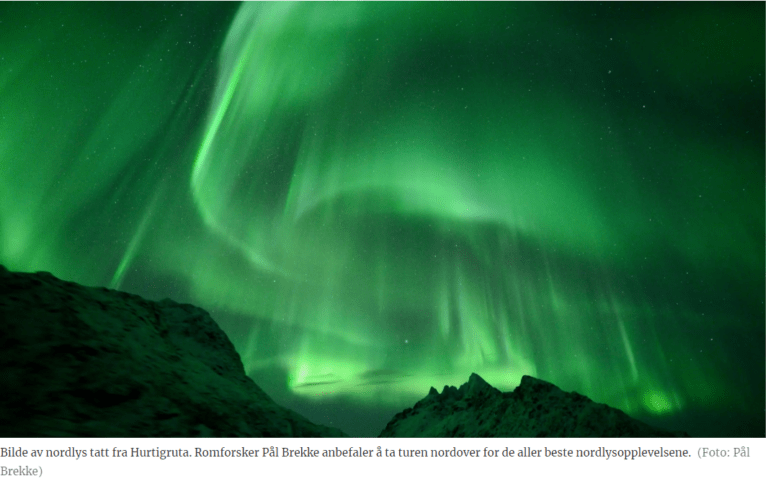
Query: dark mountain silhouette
{"points": [[82, 361], [535, 408]]}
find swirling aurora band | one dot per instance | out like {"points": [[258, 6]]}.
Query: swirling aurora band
{"points": [[375, 198]]}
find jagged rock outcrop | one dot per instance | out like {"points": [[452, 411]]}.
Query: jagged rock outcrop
{"points": [[535, 408], [82, 361]]}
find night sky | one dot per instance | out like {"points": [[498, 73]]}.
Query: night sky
{"points": [[372, 199]]}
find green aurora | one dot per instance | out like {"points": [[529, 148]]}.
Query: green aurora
{"points": [[372, 199]]}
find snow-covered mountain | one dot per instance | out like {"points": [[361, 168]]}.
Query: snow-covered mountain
{"points": [[82, 361], [535, 408]]}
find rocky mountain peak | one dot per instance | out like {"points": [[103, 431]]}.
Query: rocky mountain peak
{"points": [[536, 408], [476, 386]]}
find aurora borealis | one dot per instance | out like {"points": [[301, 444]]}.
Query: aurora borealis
{"points": [[372, 199]]}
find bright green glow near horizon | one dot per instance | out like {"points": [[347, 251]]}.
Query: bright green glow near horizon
{"points": [[375, 198], [657, 403]]}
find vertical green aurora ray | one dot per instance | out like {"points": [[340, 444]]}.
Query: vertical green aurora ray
{"points": [[85, 89], [375, 198]]}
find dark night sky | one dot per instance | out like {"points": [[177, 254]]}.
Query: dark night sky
{"points": [[372, 199]]}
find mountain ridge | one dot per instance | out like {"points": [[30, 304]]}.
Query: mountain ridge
{"points": [[536, 408], [94, 362]]}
